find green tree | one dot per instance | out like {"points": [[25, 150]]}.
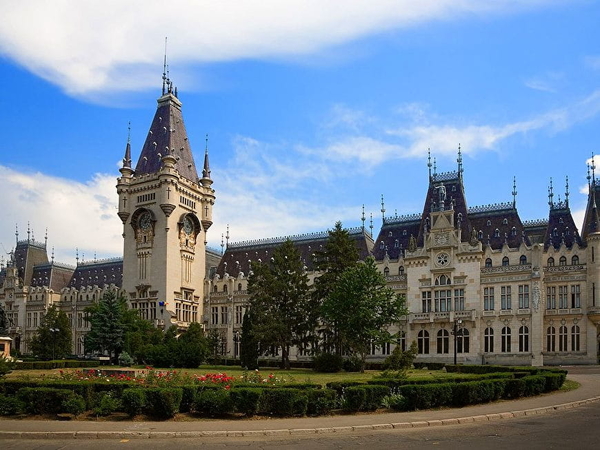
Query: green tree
{"points": [[339, 254], [139, 333], [108, 326], [192, 347], [280, 302], [249, 343], [52, 339], [362, 307]]}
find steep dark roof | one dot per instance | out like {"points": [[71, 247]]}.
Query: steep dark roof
{"points": [[394, 236], [561, 227], [167, 134], [238, 256], [591, 222], [53, 275], [498, 224], [98, 273], [28, 254]]}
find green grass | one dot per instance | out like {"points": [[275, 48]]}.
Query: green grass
{"points": [[569, 385]]}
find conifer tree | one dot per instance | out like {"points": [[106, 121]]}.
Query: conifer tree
{"points": [[248, 344], [52, 339]]}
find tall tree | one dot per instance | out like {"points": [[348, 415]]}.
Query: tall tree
{"points": [[279, 300], [339, 254], [249, 343], [363, 307], [107, 325], [52, 339]]}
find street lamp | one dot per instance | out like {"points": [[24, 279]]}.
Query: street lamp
{"points": [[457, 323], [53, 330]]}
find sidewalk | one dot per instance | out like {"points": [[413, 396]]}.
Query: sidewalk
{"points": [[589, 391]]}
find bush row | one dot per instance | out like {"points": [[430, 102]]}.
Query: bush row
{"points": [[483, 369], [57, 364]]}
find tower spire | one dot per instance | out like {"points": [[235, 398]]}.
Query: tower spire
{"points": [[514, 192], [460, 162], [429, 162], [382, 208], [593, 170], [127, 158], [165, 79], [206, 169], [363, 218], [550, 194]]}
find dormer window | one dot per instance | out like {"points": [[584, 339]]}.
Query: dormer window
{"points": [[381, 245], [397, 244], [561, 220], [403, 232], [489, 223], [496, 232], [555, 232], [562, 261], [505, 261], [390, 234], [575, 260], [480, 235], [488, 262], [514, 231], [505, 222], [550, 262]]}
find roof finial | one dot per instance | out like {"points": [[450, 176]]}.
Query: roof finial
{"points": [[363, 218], [550, 194], [164, 76], [371, 226], [77, 255], [593, 170], [459, 161], [52, 254], [567, 191], [382, 209], [434, 167], [227, 237], [514, 192], [222, 244], [206, 169], [46, 238], [17, 232], [28, 232], [589, 177], [429, 162]]}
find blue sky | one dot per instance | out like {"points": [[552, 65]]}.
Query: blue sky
{"points": [[312, 110]]}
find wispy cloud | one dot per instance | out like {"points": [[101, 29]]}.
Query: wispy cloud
{"points": [[548, 82], [592, 61], [86, 47]]}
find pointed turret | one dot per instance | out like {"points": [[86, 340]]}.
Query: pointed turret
{"points": [[591, 221], [206, 180], [126, 170]]}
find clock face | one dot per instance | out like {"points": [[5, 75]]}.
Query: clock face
{"points": [[188, 225], [145, 221], [442, 259]]}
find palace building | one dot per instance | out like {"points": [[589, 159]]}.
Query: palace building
{"points": [[479, 282]]}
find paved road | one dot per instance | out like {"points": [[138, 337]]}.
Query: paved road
{"points": [[571, 429]]}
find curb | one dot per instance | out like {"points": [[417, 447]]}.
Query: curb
{"points": [[287, 431]]}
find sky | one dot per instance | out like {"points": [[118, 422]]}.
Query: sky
{"points": [[312, 109]]}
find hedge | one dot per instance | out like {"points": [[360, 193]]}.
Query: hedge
{"points": [[364, 398], [44, 400], [163, 402], [246, 400], [213, 402], [56, 364], [283, 402]]}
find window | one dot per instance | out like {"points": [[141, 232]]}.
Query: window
{"points": [[575, 260], [562, 339], [523, 260], [462, 341], [385, 348], [562, 261], [489, 223], [513, 231], [550, 339], [443, 280], [423, 342], [402, 340], [459, 299], [551, 262], [575, 296], [396, 243], [386, 271], [224, 314], [488, 298], [524, 339], [496, 232], [488, 340], [488, 262], [523, 296], [390, 234], [401, 270], [239, 314], [443, 341], [505, 261], [551, 297], [555, 232], [225, 289], [575, 335], [426, 301], [480, 235], [505, 298], [443, 300], [215, 289], [239, 287], [214, 315], [506, 340], [563, 297]]}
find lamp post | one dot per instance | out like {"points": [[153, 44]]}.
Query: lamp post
{"points": [[457, 323], [53, 331]]}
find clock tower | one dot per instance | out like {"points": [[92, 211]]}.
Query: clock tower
{"points": [[166, 210]]}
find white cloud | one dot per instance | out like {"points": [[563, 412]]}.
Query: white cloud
{"points": [[76, 214], [548, 82], [593, 62], [88, 47]]}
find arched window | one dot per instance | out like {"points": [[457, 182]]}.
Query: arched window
{"points": [[401, 270], [555, 232], [488, 340], [460, 217], [215, 289], [513, 231], [239, 286], [505, 261], [423, 342], [562, 339], [562, 261], [396, 243], [443, 341], [496, 232], [551, 339], [506, 340], [489, 223], [488, 262], [561, 220], [575, 338], [551, 262], [480, 234], [462, 341], [524, 339], [523, 260], [382, 245], [403, 232], [386, 271], [390, 234], [505, 222], [225, 288], [442, 280], [575, 260]]}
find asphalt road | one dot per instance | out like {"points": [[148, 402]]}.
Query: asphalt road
{"points": [[577, 428]]}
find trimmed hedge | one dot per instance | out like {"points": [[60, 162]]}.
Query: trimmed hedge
{"points": [[163, 402], [283, 402], [213, 402], [246, 400], [134, 401], [56, 364], [364, 398], [43, 400], [10, 406]]}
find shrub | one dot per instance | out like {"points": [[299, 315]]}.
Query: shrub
{"points": [[213, 402], [6, 366], [534, 385], [43, 400], [246, 399], [514, 388], [74, 404], [397, 402], [374, 396], [134, 401], [554, 381], [354, 398], [321, 401], [328, 363], [9, 406], [283, 402], [353, 364], [426, 396], [107, 404], [125, 359], [399, 360], [163, 402]]}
